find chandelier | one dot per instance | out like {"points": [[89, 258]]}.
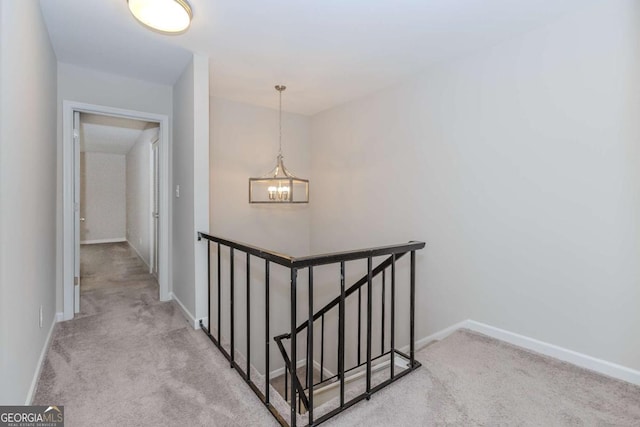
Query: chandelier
{"points": [[279, 185]]}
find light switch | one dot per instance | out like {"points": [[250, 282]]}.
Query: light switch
{"points": [[178, 190]]}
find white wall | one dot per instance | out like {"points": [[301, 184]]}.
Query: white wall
{"points": [[519, 168], [139, 194], [190, 156], [244, 143], [99, 88], [27, 195], [103, 201]]}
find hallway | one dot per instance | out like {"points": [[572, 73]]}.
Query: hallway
{"points": [[130, 359]]}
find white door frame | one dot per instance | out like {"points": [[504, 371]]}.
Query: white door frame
{"points": [[76, 211], [154, 168], [68, 247]]}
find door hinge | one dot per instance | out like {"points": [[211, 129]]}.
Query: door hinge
{"points": [[76, 280]]}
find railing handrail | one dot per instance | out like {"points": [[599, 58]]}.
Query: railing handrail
{"points": [[269, 255], [314, 260], [335, 257]]}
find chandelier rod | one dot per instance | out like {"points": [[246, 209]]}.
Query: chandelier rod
{"points": [[280, 88]]}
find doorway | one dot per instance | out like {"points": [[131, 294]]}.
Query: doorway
{"points": [[84, 224], [117, 192]]}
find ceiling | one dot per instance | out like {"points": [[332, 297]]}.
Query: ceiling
{"points": [[327, 52], [106, 134]]}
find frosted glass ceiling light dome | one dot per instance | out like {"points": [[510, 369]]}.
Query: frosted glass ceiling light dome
{"points": [[166, 16]]}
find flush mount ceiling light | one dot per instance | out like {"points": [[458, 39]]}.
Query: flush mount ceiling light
{"points": [[165, 16], [279, 185]]}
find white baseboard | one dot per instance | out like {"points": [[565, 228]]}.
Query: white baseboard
{"points": [[327, 373], [43, 354], [280, 371], [59, 317], [579, 359], [205, 320], [423, 342], [93, 242], [300, 364], [195, 323]]}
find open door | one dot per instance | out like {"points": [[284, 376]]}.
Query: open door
{"points": [[76, 211], [155, 208]]}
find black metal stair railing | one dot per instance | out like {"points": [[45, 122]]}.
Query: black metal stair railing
{"points": [[296, 394], [336, 302]]}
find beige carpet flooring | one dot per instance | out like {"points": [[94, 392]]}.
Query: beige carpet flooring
{"points": [[131, 360]]}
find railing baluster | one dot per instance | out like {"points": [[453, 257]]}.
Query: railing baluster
{"points": [[248, 316], [286, 384], [310, 347], [232, 314], [322, 349], [393, 314], [369, 287], [341, 335], [412, 311], [359, 323], [266, 331], [219, 297], [384, 295], [306, 371], [209, 286], [306, 366], [294, 358]]}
